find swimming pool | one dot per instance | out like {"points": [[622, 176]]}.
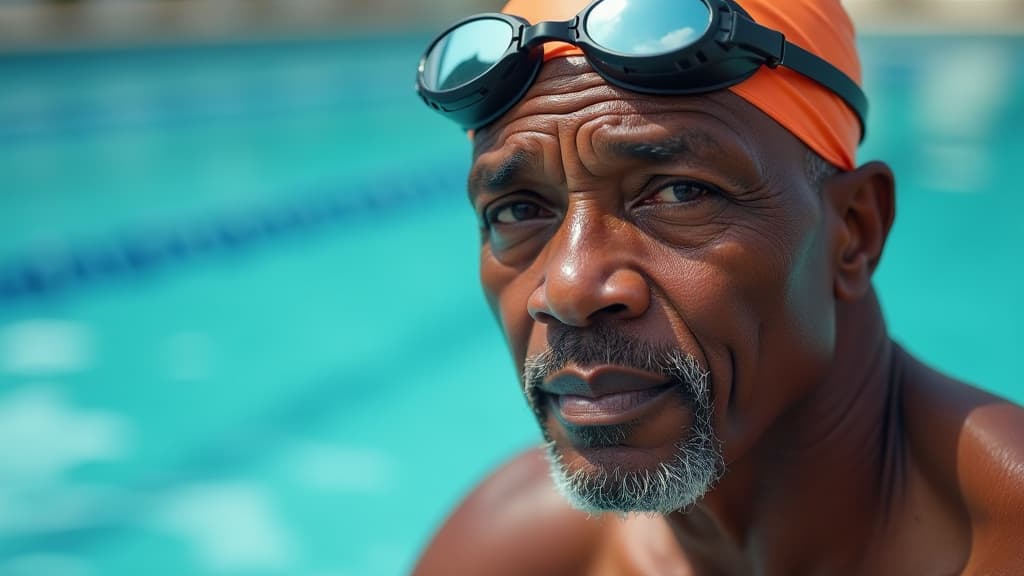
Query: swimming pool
{"points": [[238, 304]]}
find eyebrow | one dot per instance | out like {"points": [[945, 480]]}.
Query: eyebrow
{"points": [[691, 143], [504, 174]]}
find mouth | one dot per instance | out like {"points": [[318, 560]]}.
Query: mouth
{"points": [[609, 409], [605, 395]]}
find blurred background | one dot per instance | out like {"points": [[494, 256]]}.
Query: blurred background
{"points": [[240, 331]]}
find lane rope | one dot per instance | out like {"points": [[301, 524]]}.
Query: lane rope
{"points": [[144, 250]]}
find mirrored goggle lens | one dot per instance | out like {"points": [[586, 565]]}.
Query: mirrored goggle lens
{"points": [[465, 53], [647, 27]]}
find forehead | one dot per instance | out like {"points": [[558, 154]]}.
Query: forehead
{"points": [[573, 105]]}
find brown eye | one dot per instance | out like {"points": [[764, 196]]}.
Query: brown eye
{"points": [[681, 193], [517, 212]]}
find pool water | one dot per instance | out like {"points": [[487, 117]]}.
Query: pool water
{"points": [[240, 330]]}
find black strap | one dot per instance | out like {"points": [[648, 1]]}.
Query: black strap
{"points": [[824, 73]]}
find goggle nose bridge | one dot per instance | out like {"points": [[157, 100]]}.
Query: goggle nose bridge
{"points": [[552, 31]]}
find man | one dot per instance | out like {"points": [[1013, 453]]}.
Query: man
{"points": [[680, 256]]}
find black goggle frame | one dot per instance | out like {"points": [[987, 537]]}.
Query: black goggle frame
{"points": [[731, 50]]}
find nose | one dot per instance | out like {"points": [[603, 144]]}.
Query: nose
{"points": [[589, 277]]}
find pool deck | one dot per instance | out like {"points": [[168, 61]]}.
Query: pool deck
{"points": [[909, 17], [35, 25]]}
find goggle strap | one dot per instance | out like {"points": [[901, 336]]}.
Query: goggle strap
{"points": [[824, 73], [765, 42], [777, 51]]}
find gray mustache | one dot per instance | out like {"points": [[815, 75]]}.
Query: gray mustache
{"points": [[604, 345]]}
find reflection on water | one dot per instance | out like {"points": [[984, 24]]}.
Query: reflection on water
{"points": [[45, 347], [956, 126], [329, 468], [42, 439], [309, 393], [49, 564], [232, 527]]}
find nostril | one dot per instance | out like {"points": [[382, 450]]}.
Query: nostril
{"points": [[612, 309], [544, 318]]}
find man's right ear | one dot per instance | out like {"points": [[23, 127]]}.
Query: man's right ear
{"points": [[862, 205]]}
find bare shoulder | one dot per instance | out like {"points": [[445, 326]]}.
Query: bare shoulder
{"points": [[515, 522], [991, 471], [973, 442]]}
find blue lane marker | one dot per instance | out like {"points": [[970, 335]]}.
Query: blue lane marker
{"points": [[143, 251]]}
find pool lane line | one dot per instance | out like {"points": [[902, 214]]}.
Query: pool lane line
{"points": [[73, 120], [143, 251]]}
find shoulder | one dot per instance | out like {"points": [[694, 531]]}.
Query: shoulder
{"points": [[514, 522], [973, 444], [991, 470]]}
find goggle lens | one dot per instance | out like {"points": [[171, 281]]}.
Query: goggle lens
{"points": [[465, 53], [647, 27]]}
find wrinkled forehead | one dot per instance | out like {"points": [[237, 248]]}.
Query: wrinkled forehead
{"points": [[569, 97]]}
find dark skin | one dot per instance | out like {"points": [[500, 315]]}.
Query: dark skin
{"points": [[692, 221]]}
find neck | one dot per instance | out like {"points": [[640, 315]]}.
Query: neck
{"points": [[808, 498]]}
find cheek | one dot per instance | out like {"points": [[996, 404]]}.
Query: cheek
{"points": [[787, 347], [493, 277], [760, 309], [809, 304], [508, 291]]}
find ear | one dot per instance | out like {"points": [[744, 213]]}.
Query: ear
{"points": [[861, 206]]}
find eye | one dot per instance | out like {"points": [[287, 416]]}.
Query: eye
{"points": [[516, 212], [681, 192]]}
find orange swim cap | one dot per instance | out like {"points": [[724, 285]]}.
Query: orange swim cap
{"points": [[808, 110]]}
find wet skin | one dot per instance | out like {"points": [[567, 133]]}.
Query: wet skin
{"points": [[691, 222]]}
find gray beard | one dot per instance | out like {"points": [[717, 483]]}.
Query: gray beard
{"points": [[670, 486]]}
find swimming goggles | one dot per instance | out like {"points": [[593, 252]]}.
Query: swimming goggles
{"points": [[477, 69]]}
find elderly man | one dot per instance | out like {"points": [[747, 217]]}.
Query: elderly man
{"points": [[678, 245]]}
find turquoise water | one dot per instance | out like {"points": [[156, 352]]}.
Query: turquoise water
{"points": [[238, 302]]}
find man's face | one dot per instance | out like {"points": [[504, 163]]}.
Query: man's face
{"points": [[660, 271]]}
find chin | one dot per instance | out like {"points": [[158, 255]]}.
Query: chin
{"points": [[662, 464]]}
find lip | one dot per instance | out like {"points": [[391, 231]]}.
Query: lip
{"points": [[610, 409], [605, 395], [596, 381]]}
